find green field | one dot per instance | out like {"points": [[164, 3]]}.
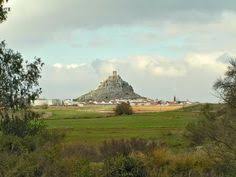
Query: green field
{"points": [[89, 125]]}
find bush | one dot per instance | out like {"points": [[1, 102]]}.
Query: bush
{"points": [[125, 166], [123, 109], [125, 147], [45, 106], [81, 151], [84, 169], [32, 156], [12, 145], [162, 162], [21, 124]]}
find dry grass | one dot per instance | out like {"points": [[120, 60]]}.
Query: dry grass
{"points": [[156, 108], [108, 109]]}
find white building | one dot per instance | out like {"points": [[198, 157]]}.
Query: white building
{"points": [[70, 102], [48, 102]]}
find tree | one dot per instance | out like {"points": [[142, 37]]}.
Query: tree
{"points": [[216, 132], [3, 12], [19, 86], [18, 80], [226, 87]]}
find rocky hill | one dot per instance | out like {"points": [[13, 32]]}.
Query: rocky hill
{"points": [[112, 88]]}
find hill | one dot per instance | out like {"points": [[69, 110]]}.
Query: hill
{"points": [[114, 87]]}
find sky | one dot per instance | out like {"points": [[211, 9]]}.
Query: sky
{"points": [[163, 48]]}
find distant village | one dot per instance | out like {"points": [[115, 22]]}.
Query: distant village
{"points": [[112, 91], [136, 102]]}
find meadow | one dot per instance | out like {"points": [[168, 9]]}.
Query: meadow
{"points": [[94, 124]]}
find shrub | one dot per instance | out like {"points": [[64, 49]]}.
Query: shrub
{"points": [[163, 162], [84, 169], [77, 150], [115, 147], [22, 124], [45, 106], [12, 145], [125, 166], [125, 147], [123, 109]]}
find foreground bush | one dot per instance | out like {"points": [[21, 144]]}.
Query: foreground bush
{"points": [[216, 131], [164, 163], [125, 147], [32, 156], [24, 123], [123, 109], [124, 166], [84, 169]]}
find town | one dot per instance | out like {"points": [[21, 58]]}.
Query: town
{"points": [[138, 102]]}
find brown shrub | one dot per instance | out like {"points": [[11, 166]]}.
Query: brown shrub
{"points": [[164, 163], [81, 151], [125, 147]]}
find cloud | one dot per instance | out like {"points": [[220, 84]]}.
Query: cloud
{"points": [[206, 61], [69, 66], [58, 65], [159, 66], [44, 21], [163, 67], [74, 66]]}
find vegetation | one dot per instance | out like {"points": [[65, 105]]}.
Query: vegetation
{"points": [[18, 88], [123, 109], [93, 128], [216, 133], [3, 12], [125, 166]]}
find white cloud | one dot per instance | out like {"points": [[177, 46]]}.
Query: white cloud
{"points": [[206, 61], [159, 66], [43, 21], [58, 65], [69, 66], [75, 66]]}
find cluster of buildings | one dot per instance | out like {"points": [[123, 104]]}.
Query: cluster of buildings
{"points": [[141, 102], [56, 102], [135, 102]]}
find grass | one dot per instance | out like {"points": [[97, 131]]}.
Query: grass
{"points": [[156, 108], [92, 127], [73, 114]]}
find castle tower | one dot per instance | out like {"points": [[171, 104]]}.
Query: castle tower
{"points": [[115, 73], [175, 99]]}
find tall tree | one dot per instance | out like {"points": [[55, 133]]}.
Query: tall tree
{"points": [[19, 86], [217, 131], [3, 12], [18, 80], [226, 87]]}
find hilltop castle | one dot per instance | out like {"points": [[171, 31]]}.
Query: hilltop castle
{"points": [[114, 87]]}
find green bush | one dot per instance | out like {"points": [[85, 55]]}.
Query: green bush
{"points": [[21, 124], [12, 145], [123, 109], [84, 169], [124, 166]]}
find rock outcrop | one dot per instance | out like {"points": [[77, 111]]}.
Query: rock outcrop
{"points": [[111, 89]]}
